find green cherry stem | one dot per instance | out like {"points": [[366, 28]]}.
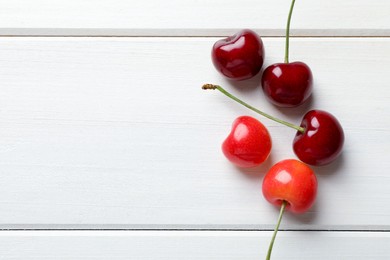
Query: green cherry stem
{"points": [[271, 244], [223, 91], [287, 47]]}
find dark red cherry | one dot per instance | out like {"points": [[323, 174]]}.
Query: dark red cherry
{"points": [[240, 56], [287, 84], [322, 140]]}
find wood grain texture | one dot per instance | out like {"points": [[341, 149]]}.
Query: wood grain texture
{"points": [[193, 18], [116, 133], [193, 245]]}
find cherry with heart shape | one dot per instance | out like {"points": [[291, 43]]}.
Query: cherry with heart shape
{"points": [[240, 56], [287, 84], [248, 144], [290, 185], [319, 139]]}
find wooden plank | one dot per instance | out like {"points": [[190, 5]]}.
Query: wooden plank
{"points": [[193, 245], [116, 133], [193, 18]]}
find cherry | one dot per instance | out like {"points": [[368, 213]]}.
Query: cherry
{"points": [[248, 144], [319, 139], [323, 134], [292, 185], [240, 56], [291, 181], [287, 84]]}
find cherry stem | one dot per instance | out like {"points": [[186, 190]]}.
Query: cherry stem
{"points": [[212, 86], [288, 32], [271, 244]]}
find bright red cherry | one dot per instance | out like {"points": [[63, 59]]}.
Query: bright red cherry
{"points": [[287, 84], [320, 137], [248, 144], [322, 140], [292, 185], [240, 56], [291, 181]]}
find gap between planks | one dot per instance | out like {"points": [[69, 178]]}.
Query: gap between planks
{"points": [[198, 230], [183, 36], [190, 32]]}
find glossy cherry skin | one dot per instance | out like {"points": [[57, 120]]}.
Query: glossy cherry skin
{"points": [[240, 56], [291, 181], [322, 141], [287, 84], [248, 144]]}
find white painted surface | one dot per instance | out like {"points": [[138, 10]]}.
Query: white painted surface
{"points": [[193, 245], [116, 133], [188, 17]]}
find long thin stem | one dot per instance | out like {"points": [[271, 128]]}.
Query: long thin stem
{"points": [[271, 244], [211, 86], [287, 47]]}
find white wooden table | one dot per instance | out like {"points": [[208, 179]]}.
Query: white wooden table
{"points": [[110, 150]]}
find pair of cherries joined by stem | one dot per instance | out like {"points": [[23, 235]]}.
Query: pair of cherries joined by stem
{"points": [[241, 56]]}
